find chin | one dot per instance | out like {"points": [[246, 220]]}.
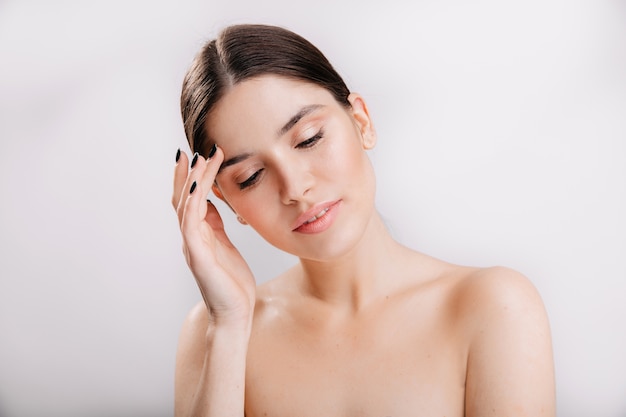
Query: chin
{"points": [[335, 243]]}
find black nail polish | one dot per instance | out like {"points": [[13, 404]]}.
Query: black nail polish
{"points": [[177, 154], [212, 151], [193, 187], [195, 159]]}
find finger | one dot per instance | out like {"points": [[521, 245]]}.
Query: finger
{"points": [[212, 167], [180, 177], [197, 168], [212, 216], [204, 173], [193, 226], [214, 219], [201, 178]]}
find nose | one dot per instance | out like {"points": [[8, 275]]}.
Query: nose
{"points": [[296, 181]]}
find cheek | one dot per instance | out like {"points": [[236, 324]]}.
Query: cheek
{"points": [[344, 159], [257, 207]]}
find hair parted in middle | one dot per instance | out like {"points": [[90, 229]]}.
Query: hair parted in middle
{"points": [[245, 51]]}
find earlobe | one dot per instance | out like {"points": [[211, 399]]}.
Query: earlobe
{"points": [[363, 121]]}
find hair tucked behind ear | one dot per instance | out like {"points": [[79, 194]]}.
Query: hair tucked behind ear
{"points": [[245, 51]]}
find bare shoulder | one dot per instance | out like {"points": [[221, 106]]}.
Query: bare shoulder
{"points": [[198, 315], [497, 302], [190, 355], [474, 292], [191, 341], [483, 290], [510, 367], [196, 322]]}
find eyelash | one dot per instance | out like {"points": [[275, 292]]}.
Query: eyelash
{"points": [[312, 141], [305, 144], [251, 180]]}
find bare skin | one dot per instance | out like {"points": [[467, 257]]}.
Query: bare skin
{"points": [[361, 326]]}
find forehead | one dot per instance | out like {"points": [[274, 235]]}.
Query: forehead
{"points": [[261, 106]]}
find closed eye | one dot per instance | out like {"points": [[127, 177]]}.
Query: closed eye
{"points": [[309, 143], [251, 180]]}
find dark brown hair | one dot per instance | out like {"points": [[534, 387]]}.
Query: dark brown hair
{"points": [[241, 52]]}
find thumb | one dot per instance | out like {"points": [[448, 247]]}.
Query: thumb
{"points": [[214, 220]]}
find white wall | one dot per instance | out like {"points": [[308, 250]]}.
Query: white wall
{"points": [[502, 132]]}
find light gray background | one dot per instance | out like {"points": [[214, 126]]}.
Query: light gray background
{"points": [[502, 140]]}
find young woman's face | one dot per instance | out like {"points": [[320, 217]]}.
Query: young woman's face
{"points": [[295, 167]]}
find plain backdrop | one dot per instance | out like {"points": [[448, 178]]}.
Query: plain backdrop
{"points": [[502, 141]]}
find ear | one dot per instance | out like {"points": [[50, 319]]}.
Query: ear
{"points": [[218, 193], [363, 121]]}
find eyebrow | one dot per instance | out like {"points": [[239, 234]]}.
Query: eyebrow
{"points": [[234, 160], [304, 111], [296, 117]]}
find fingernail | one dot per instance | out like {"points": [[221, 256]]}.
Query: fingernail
{"points": [[212, 151], [193, 187], [195, 159], [177, 154]]}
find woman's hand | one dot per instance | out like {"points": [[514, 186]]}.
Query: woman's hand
{"points": [[223, 276]]}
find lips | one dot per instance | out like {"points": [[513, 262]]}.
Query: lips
{"points": [[317, 218]]}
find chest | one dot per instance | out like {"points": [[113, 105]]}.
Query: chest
{"points": [[383, 368]]}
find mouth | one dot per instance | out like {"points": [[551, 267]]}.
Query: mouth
{"points": [[317, 218]]}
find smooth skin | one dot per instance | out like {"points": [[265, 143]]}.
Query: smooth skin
{"points": [[361, 326]]}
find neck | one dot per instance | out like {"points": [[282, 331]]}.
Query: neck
{"points": [[358, 277]]}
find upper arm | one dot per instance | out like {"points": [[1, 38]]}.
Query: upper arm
{"points": [[190, 358], [510, 367]]}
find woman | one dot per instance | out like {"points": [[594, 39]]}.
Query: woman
{"points": [[361, 326]]}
